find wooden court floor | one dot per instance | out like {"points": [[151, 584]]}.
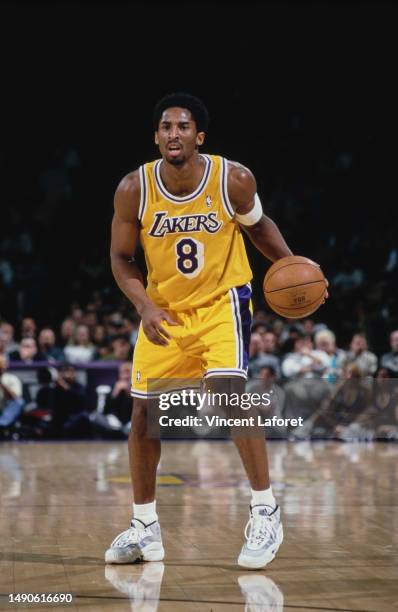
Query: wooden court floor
{"points": [[63, 503]]}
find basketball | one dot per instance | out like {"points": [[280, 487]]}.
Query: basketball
{"points": [[294, 287]]}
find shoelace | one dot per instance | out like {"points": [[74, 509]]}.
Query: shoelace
{"points": [[261, 528], [130, 536]]}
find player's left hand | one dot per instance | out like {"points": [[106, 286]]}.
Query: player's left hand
{"points": [[326, 292], [327, 285]]}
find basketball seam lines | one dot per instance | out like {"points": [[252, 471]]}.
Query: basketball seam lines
{"points": [[299, 263], [299, 285]]}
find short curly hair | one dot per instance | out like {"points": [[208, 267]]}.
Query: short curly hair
{"points": [[195, 106]]}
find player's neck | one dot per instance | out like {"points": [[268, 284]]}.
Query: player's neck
{"points": [[183, 179]]}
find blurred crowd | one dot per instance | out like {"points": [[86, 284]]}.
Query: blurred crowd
{"points": [[343, 392]]}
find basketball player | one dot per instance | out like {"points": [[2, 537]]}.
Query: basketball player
{"points": [[188, 210]]}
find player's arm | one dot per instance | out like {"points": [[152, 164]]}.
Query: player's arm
{"points": [[125, 231], [262, 231]]}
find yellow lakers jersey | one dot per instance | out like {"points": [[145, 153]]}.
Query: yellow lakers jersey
{"points": [[193, 245]]}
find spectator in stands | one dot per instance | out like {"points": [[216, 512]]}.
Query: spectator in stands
{"points": [[278, 327], [361, 356], [7, 333], [266, 356], [255, 346], [38, 413], [304, 361], [11, 401], [325, 340], [382, 417], [260, 328], [132, 324], [115, 324], [28, 352], [336, 413], [28, 328], [116, 419], [389, 361], [77, 314], [68, 331], [305, 389], [103, 350], [70, 417], [47, 346], [350, 401], [99, 334], [90, 319], [121, 348], [310, 328], [260, 316], [82, 350], [289, 335], [265, 382], [349, 277], [3, 343]]}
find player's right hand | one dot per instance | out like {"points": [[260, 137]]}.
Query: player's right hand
{"points": [[152, 319]]}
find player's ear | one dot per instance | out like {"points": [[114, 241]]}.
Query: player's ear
{"points": [[200, 138], [156, 138]]}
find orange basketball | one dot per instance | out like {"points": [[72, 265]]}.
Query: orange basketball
{"points": [[294, 287]]}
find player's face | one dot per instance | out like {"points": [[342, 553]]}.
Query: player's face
{"points": [[176, 136]]}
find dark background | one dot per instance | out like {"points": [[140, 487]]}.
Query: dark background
{"points": [[302, 94]]}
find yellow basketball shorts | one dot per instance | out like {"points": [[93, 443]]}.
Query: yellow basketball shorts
{"points": [[212, 340]]}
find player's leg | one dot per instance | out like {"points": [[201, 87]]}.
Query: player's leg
{"points": [[227, 355], [142, 540], [264, 531], [153, 367], [253, 454], [144, 456]]}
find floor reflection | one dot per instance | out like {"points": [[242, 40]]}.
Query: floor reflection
{"points": [[141, 582], [261, 593]]}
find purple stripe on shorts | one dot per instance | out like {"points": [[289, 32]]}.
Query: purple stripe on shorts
{"points": [[244, 294]]}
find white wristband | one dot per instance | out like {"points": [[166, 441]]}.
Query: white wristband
{"points": [[254, 215]]}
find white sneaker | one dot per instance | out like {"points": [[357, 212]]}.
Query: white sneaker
{"points": [[261, 594], [264, 535], [138, 543]]}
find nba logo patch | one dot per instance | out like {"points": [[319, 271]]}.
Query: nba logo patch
{"points": [[208, 201], [138, 376]]}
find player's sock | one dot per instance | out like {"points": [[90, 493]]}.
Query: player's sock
{"points": [[146, 513], [263, 498]]}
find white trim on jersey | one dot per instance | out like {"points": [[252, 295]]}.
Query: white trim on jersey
{"points": [[144, 193], [144, 394], [224, 188], [212, 372], [192, 196]]}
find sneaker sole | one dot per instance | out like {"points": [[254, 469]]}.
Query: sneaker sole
{"points": [[153, 552], [113, 556], [260, 562]]}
